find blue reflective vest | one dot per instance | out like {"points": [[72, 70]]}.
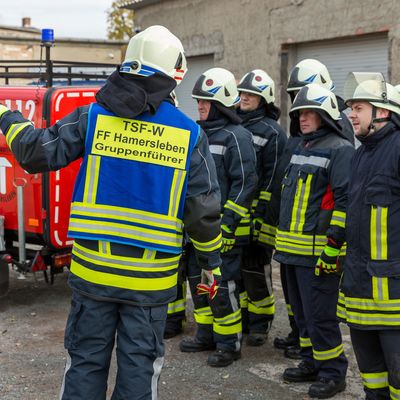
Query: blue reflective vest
{"points": [[132, 183]]}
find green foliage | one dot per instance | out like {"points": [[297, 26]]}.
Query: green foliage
{"points": [[120, 21]]}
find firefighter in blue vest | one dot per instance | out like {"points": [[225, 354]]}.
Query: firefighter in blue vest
{"points": [[369, 298], [146, 174], [311, 234], [259, 115], [219, 320]]}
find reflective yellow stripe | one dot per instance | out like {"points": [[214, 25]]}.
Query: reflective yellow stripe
{"points": [[367, 319], [375, 380], [91, 179], [127, 263], [126, 231], [328, 354], [263, 307], [303, 244], [203, 316], [265, 196], [242, 211], [149, 254], [243, 299], [3, 109], [177, 306], [394, 393], [104, 247], [378, 233], [126, 214], [300, 204], [14, 130], [228, 325], [380, 288], [176, 191], [305, 342], [338, 218], [212, 245], [370, 304], [289, 310], [123, 282], [267, 234]]}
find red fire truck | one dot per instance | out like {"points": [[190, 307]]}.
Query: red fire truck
{"points": [[34, 208]]}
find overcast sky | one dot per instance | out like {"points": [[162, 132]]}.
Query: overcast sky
{"points": [[68, 18]]}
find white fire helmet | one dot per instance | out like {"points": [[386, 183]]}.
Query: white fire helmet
{"points": [[309, 71], [217, 84], [315, 97], [260, 83], [153, 50]]}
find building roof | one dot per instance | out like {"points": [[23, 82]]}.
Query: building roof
{"points": [[137, 4]]}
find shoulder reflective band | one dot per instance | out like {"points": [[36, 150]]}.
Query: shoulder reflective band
{"points": [[141, 141], [217, 149], [259, 141], [310, 160]]}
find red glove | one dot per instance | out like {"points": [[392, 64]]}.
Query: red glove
{"points": [[209, 282]]}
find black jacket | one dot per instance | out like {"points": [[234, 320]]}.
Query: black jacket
{"points": [[370, 287]]}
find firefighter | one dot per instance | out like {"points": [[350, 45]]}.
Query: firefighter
{"points": [[259, 115], [369, 296], [146, 172], [219, 320], [310, 237], [303, 73]]}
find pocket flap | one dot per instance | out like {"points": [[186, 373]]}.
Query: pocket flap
{"points": [[384, 269], [378, 196]]}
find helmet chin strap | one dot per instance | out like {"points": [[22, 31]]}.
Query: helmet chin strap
{"points": [[372, 127]]}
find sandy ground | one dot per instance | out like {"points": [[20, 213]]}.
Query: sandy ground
{"points": [[32, 357]]}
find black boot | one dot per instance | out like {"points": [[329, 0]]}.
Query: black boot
{"points": [[326, 388], [194, 346], [293, 352], [286, 342], [223, 358], [172, 329], [303, 373], [256, 339]]}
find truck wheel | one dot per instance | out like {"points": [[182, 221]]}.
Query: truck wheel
{"points": [[4, 278]]}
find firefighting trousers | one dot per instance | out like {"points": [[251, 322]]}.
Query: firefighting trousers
{"points": [[218, 320], [378, 358], [92, 328], [314, 301], [294, 329], [177, 308], [256, 294]]}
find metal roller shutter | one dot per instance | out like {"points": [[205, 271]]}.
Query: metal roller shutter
{"points": [[367, 53], [196, 66]]}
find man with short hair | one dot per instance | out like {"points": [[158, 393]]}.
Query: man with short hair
{"points": [[369, 295], [311, 235], [260, 115], [218, 316]]}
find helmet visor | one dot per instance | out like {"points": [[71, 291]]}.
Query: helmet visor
{"points": [[367, 86]]}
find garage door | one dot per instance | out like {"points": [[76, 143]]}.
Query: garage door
{"points": [[196, 66], [367, 53]]}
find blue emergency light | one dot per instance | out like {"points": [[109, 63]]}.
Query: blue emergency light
{"points": [[48, 36]]}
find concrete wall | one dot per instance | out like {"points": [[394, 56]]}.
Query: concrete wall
{"points": [[247, 34]]}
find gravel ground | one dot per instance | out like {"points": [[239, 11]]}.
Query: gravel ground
{"points": [[32, 356]]}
